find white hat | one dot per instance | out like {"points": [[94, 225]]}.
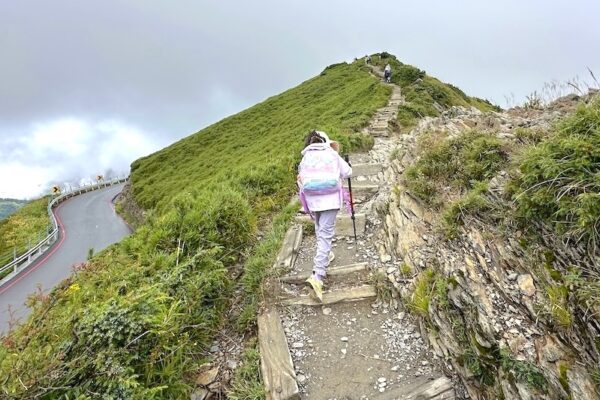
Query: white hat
{"points": [[324, 136]]}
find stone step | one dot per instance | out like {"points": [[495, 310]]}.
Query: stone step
{"points": [[343, 224], [362, 188], [275, 359], [331, 272], [379, 133], [437, 389], [336, 296], [366, 169], [380, 125]]}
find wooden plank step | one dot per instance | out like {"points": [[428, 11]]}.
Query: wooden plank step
{"points": [[275, 358], [343, 223], [366, 169], [289, 249], [331, 272], [437, 389], [337, 296]]}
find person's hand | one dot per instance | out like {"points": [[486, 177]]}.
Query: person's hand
{"points": [[335, 146]]}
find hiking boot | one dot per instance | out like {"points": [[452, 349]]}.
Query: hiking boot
{"points": [[331, 256], [317, 286]]}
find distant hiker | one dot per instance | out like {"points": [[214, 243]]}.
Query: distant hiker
{"points": [[387, 72], [320, 177], [368, 59]]}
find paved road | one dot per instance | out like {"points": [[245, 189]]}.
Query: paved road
{"points": [[87, 221]]}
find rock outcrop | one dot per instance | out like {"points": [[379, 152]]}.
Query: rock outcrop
{"points": [[488, 312]]}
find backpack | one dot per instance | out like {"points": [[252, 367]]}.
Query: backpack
{"points": [[319, 172]]}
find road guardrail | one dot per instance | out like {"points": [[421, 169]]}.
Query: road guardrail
{"points": [[21, 262]]}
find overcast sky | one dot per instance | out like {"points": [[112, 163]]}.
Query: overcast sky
{"points": [[89, 86]]}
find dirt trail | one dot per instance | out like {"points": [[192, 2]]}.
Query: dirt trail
{"points": [[357, 345]]}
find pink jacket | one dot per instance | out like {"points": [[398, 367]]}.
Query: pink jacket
{"points": [[332, 201]]}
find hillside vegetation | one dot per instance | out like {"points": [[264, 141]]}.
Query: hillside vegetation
{"points": [[27, 226], [424, 94], [137, 320], [529, 199], [257, 148], [9, 206]]}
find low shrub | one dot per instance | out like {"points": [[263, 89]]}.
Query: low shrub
{"points": [[557, 180], [422, 294], [140, 314], [408, 115], [457, 162], [456, 214], [529, 135], [523, 371], [258, 265], [25, 228]]}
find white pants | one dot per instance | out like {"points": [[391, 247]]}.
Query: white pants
{"points": [[324, 230]]}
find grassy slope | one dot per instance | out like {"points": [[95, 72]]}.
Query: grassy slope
{"points": [[268, 135], [26, 225], [421, 91], [137, 320]]}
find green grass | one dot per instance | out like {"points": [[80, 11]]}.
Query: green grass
{"points": [[27, 226], [136, 321], [459, 163], [484, 367], [557, 305], [422, 295], [137, 318], [595, 374], [530, 136], [431, 290], [558, 180], [406, 270], [246, 383], [523, 371], [563, 378], [421, 91], [258, 265], [459, 212], [259, 146]]}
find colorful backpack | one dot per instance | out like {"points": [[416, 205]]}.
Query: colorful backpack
{"points": [[319, 172]]}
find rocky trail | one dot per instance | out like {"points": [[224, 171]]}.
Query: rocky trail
{"points": [[358, 343]]}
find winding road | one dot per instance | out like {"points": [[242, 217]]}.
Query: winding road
{"points": [[86, 221]]}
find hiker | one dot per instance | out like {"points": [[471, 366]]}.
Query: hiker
{"points": [[321, 192], [387, 72], [368, 59]]}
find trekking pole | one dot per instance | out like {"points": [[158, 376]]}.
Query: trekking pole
{"points": [[347, 158]]}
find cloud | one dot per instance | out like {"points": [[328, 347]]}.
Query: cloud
{"points": [[70, 151], [82, 77]]}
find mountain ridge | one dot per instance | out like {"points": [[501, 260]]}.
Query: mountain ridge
{"points": [[216, 209]]}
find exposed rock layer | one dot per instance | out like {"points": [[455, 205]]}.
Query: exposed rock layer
{"points": [[492, 326]]}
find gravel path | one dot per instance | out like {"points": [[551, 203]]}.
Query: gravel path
{"points": [[357, 350]]}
